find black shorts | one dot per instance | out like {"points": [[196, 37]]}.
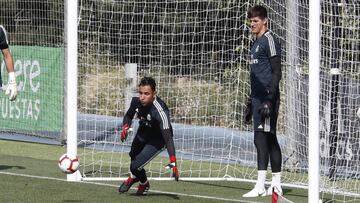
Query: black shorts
{"points": [[259, 122], [142, 153]]}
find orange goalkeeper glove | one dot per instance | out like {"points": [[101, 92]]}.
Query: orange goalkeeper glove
{"points": [[172, 166], [124, 132]]}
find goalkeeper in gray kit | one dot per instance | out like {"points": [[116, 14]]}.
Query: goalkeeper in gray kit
{"points": [[11, 88], [263, 103], [154, 134]]}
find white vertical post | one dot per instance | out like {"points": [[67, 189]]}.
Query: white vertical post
{"points": [[130, 76], [71, 41], [314, 90]]}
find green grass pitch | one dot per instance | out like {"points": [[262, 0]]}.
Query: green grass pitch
{"points": [[29, 173]]}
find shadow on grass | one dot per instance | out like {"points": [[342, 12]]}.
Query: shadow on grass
{"points": [[286, 191], [155, 194], [221, 184], [243, 186], [5, 167], [294, 193]]}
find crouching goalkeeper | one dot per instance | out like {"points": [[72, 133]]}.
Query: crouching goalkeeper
{"points": [[154, 134]]}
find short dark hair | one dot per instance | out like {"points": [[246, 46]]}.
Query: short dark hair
{"points": [[257, 11], [148, 81]]}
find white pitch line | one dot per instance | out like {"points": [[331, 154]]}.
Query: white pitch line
{"points": [[105, 184]]}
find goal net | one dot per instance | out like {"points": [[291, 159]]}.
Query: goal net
{"points": [[198, 53]]}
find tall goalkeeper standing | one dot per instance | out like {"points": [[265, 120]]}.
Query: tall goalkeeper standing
{"points": [[154, 134], [11, 88], [263, 103]]}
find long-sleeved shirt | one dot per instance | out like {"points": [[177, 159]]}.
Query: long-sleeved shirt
{"points": [[154, 122]]}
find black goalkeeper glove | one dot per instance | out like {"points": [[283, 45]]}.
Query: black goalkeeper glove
{"points": [[248, 112], [265, 109]]}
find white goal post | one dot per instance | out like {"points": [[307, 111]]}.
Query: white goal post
{"points": [[314, 96], [71, 72]]}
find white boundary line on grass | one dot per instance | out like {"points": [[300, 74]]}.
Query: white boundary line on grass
{"points": [[155, 191]]}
